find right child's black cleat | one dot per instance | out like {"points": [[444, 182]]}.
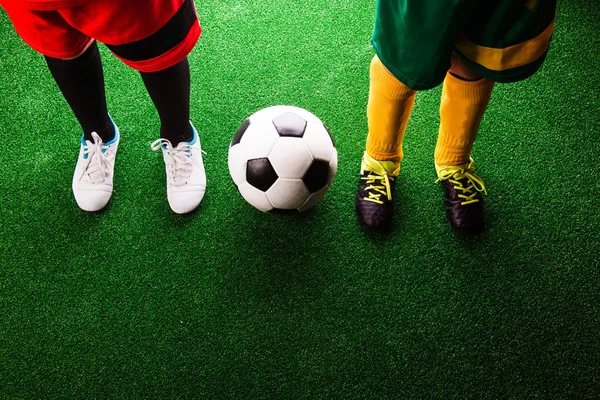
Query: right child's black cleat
{"points": [[462, 197], [374, 205]]}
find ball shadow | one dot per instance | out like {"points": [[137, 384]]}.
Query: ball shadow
{"points": [[279, 255]]}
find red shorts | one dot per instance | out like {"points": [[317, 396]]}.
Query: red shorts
{"points": [[148, 35]]}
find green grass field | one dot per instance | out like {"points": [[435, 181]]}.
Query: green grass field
{"points": [[137, 302]]}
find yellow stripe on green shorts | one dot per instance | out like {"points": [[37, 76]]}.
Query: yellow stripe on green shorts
{"points": [[507, 58]]}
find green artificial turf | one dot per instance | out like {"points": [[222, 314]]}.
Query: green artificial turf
{"points": [[228, 302]]}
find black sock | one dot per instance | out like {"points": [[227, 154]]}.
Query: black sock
{"points": [[170, 92], [81, 82]]}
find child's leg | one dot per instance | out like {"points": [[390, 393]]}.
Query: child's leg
{"points": [[388, 110], [81, 82], [465, 97], [170, 92], [74, 62]]}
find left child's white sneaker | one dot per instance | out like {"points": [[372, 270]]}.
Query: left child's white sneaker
{"points": [[93, 177], [186, 178]]}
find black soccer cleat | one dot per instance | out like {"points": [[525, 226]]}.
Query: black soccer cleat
{"points": [[374, 205], [462, 197]]}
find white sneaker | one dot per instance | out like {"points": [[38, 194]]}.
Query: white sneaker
{"points": [[186, 179], [93, 178]]}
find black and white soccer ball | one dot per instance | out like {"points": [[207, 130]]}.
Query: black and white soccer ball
{"points": [[282, 158]]}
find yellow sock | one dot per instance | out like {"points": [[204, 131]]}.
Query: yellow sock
{"points": [[390, 105], [461, 110]]}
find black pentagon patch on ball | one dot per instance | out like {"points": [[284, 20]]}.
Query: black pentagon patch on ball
{"points": [[316, 177], [290, 124], [260, 173], [240, 132]]}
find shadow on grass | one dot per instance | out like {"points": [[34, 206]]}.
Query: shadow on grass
{"points": [[280, 255]]}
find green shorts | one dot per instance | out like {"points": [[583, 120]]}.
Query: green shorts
{"points": [[503, 40]]}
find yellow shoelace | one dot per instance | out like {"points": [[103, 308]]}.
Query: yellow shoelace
{"points": [[455, 173], [378, 179]]}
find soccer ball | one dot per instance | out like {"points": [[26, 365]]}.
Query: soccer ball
{"points": [[282, 158]]}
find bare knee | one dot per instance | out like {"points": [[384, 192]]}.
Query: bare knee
{"points": [[459, 68]]}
